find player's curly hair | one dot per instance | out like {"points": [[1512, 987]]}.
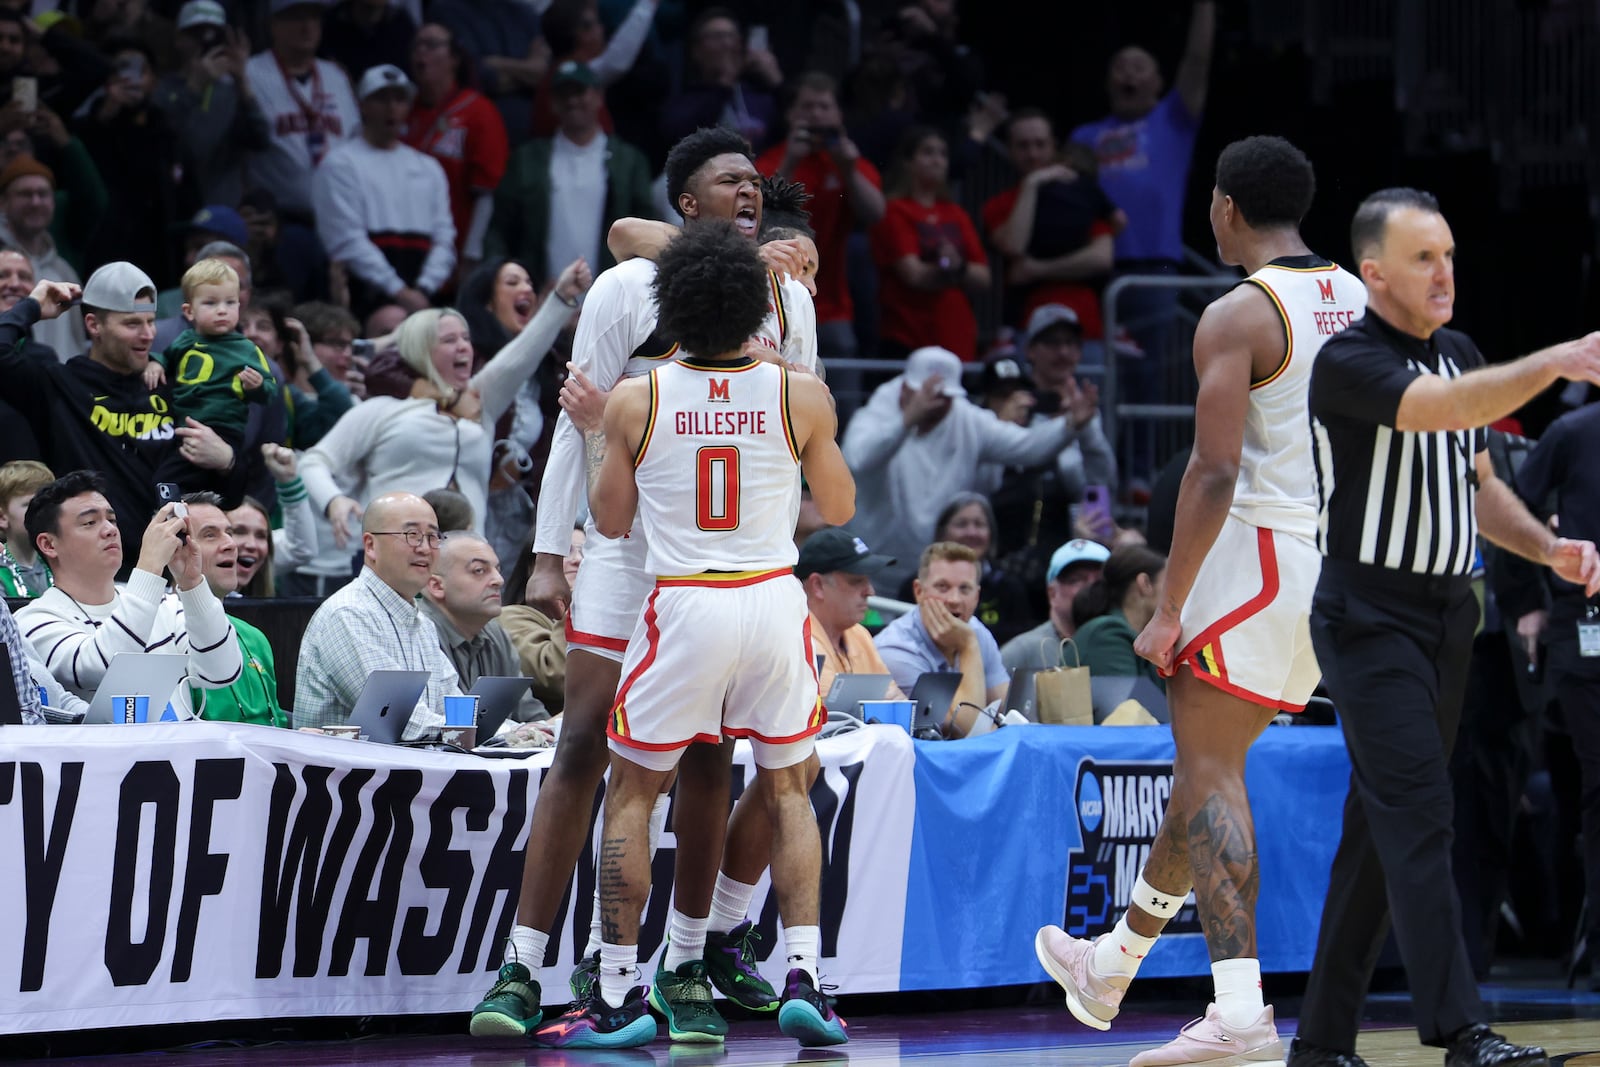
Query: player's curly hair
{"points": [[1269, 179], [783, 207], [695, 151], [710, 288]]}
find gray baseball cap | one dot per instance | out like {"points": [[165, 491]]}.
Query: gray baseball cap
{"points": [[120, 287]]}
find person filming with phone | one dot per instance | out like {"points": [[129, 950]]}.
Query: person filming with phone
{"points": [[846, 194]]}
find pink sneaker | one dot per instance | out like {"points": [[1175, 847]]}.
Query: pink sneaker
{"points": [[1094, 999], [1212, 1041]]}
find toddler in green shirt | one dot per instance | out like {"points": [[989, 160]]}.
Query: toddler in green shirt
{"points": [[215, 369]]}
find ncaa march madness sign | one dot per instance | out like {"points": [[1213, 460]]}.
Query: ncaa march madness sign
{"points": [[1119, 809]]}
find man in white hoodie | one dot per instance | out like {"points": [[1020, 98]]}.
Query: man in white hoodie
{"points": [[919, 441]]}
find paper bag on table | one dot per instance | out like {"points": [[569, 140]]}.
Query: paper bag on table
{"points": [[1063, 694]]}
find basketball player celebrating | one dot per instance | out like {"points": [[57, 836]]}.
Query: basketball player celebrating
{"points": [[1235, 606], [709, 176], [705, 454]]}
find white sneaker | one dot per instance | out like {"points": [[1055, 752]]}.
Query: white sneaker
{"points": [[1093, 998], [1212, 1041]]}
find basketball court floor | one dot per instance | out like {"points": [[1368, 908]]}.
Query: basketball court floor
{"points": [[1566, 1024]]}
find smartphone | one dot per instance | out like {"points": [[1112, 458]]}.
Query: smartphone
{"points": [[1097, 509], [758, 40], [131, 68], [172, 493], [25, 93], [361, 348]]}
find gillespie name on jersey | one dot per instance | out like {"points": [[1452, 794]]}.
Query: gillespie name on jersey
{"points": [[719, 423]]}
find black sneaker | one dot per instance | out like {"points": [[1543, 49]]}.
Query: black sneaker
{"points": [[1479, 1046], [807, 1016], [595, 1024], [1305, 1054], [731, 966]]}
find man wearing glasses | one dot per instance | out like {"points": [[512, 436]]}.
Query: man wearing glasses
{"points": [[374, 624]]}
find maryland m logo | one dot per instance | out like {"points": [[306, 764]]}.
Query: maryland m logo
{"points": [[1325, 289], [718, 391]]}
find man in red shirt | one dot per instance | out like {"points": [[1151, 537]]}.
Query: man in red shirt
{"points": [[462, 130], [846, 194], [1054, 227]]}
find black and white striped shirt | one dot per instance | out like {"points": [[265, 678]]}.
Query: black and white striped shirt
{"points": [[1389, 498]]}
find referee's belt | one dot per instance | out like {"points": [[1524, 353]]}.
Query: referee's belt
{"points": [[721, 579], [1409, 583]]}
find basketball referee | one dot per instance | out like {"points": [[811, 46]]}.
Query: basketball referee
{"points": [[1398, 405]]}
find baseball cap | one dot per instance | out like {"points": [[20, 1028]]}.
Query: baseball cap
{"points": [[1005, 374], [573, 73], [25, 167], [837, 549], [1077, 550], [384, 76], [116, 287], [1047, 315], [222, 221], [924, 363], [202, 13]]}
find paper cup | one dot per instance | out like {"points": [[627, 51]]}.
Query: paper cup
{"points": [[130, 709], [893, 712], [461, 711], [460, 736]]}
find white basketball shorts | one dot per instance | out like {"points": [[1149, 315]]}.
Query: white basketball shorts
{"points": [[1247, 622], [715, 656]]}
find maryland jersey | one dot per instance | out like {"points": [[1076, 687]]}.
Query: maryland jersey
{"points": [[1277, 485], [718, 469]]}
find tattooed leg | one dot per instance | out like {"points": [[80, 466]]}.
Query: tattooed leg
{"points": [[1167, 868], [625, 849], [1213, 731]]}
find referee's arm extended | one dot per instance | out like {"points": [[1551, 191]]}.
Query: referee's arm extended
{"points": [[1432, 404]]}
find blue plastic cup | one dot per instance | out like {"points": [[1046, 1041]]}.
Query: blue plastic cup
{"points": [[461, 711], [130, 709], [893, 712]]}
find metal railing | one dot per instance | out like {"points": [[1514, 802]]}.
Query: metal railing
{"points": [[1173, 406]]}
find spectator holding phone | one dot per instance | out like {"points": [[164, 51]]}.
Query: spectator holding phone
{"points": [[316, 397], [210, 103], [131, 138], [846, 194], [1034, 503]]}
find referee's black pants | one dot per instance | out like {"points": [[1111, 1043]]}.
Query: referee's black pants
{"points": [[1575, 682], [1394, 650]]}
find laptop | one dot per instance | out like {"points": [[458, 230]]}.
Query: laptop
{"points": [[1110, 690], [10, 700], [498, 696], [386, 704], [138, 674], [1022, 695], [933, 694], [849, 690]]}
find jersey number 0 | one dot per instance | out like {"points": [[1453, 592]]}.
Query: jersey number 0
{"points": [[716, 488]]}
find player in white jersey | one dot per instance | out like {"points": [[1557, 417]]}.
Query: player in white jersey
{"points": [[707, 454], [1235, 605], [710, 176]]}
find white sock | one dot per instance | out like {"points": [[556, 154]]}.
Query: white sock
{"points": [[730, 904], [658, 822], [526, 946], [1238, 985], [617, 966], [1121, 951], [802, 946], [686, 939]]}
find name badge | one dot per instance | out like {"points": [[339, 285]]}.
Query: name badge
{"points": [[1589, 639]]}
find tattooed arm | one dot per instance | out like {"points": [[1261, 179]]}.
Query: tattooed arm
{"points": [[610, 454]]}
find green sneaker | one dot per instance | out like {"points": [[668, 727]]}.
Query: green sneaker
{"points": [[511, 1009], [585, 977], [731, 964], [683, 998]]}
